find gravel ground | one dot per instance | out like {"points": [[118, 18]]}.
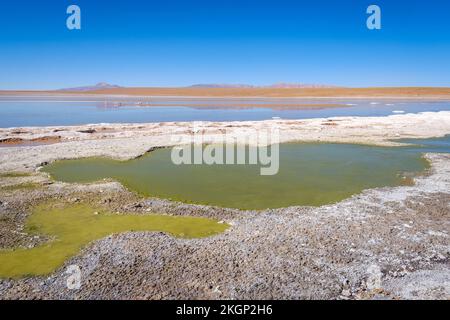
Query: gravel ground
{"points": [[385, 243]]}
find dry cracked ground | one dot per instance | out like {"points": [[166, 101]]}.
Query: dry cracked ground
{"points": [[385, 243]]}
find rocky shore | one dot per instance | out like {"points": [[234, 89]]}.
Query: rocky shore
{"points": [[127, 141], [385, 243]]}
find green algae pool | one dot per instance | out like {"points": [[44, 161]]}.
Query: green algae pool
{"points": [[309, 174], [74, 226]]}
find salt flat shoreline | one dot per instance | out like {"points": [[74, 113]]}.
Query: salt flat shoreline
{"points": [[128, 141]]}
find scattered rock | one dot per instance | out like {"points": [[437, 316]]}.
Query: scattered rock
{"points": [[374, 276], [87, 131]]}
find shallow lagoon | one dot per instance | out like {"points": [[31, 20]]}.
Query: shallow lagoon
{"points": [[20, 112], [309, 174]]}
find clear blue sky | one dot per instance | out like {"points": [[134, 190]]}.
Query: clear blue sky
{"points": [[178, 43]]}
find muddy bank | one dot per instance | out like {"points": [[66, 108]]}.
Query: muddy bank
{"points": [[383, 243], [14, 142]]}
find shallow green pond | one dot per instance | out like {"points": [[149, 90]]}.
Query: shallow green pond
{"points": [[72, 227], [309, 174]]}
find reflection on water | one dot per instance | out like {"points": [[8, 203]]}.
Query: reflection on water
{"points": [[53, 112]]}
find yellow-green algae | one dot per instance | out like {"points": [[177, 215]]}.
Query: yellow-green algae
{"points": [[72, 227], [14, 174], [21, 186]]}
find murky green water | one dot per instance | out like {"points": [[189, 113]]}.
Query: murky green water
{"points": [[309, 174]]}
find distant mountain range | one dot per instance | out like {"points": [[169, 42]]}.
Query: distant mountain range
{"points": [[276, 85], [98, 86], [104, 85]]}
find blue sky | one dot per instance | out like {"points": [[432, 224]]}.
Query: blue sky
{"points": [[179, 43]]}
